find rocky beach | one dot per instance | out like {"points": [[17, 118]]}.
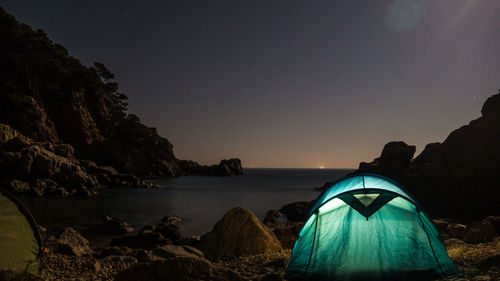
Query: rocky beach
{"points": [[240, 247], [65, 131]]}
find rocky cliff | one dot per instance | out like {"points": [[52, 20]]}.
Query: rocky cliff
{"points": [[459, 177], [49, 99]]}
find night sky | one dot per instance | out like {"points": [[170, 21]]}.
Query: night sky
{"points": [[287, 83]]}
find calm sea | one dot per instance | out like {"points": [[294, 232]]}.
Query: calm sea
{"points": [[199, 201]]}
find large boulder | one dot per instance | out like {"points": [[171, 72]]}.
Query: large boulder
{"points": [[178, 269], [70, 242], [238, 233]]}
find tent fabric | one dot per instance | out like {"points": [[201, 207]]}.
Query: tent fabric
{"points": [[20, 241], [384, 235]]}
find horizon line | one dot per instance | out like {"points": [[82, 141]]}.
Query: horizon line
{"points": [[315, 168]]}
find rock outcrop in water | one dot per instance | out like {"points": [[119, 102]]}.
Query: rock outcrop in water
{"points": [[63, 112], [456, 178]]}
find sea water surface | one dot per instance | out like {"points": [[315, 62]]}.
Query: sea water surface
{"points": [[200, 201]]}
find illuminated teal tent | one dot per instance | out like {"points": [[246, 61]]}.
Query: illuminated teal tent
{"points": [[367, 227]]}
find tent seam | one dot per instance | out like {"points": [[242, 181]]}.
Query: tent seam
{"points": [[314, 240], [430, 243]]}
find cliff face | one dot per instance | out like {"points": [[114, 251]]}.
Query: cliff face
{"points": [[459, 177], [50, 97]]}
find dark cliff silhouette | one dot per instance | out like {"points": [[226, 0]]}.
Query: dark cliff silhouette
{"points": [[49, 98], [459, 177]]}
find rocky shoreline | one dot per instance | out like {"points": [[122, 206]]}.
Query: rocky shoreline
{"points": [[65, 128], [240, 247], [52, 169], [65, 131]]}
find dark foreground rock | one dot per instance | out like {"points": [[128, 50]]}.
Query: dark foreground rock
{"points": [[179, 268], [152, 236], [475, 232], [147, 240], [70, 242], [297, 211], [287, 231], [170, 251], [238, 233], [478, 261]]}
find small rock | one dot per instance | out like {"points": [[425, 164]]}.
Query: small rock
{"points": [[192, 241], [144, 256], [114, 251], [453, 243], [496, 243], [271, 217], [441, 225], [64, 149], [170, 251], [116, 259], [494, 221], [113, 226], [456, 230], [70, 242], [171, 219], [169, 231], [297, 211], [481, 278], [146, 241], [474, 236], [286, 237], [479, 232]]}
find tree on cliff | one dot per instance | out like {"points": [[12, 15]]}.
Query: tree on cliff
{"points": [[117, 101]]}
